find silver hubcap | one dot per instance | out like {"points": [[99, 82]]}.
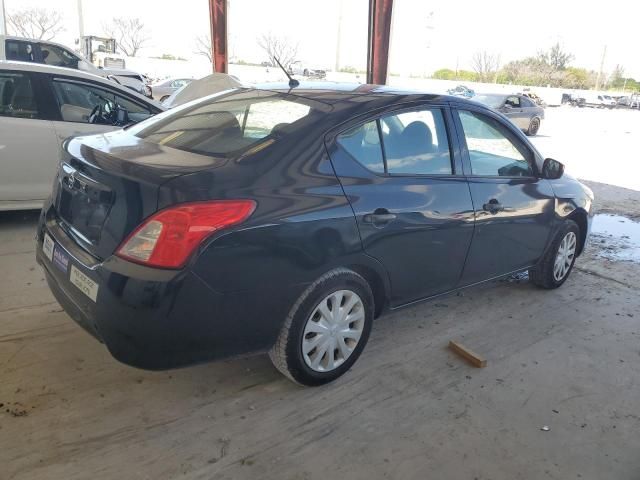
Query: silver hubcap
{"points": [[564, 257], [333, 330]]}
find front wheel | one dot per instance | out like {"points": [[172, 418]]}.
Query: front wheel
{"points": [[534, 126], [326, 330], [556, 265]]}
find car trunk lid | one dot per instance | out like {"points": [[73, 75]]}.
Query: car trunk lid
{"points": [[109, 183]]}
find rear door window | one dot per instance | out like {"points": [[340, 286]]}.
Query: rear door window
{"points": [[20, 50], [416, 143], [493, 149], [17, 98]]}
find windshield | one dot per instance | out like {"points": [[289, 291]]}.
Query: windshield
{"points": [[224, 124], [493, 101]]}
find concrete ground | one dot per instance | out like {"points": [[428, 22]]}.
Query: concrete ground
{"points": [[568, 359]]}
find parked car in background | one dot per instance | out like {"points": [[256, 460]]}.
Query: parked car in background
{"points": [[163, 89], [521, 110], [272, 220], [461, 91], [599, 100], [54, 54], [214, 83], [297, 67], [40, 107]]}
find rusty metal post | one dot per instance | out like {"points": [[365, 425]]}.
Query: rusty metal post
{"points": [[379, 37], [218, 21]]}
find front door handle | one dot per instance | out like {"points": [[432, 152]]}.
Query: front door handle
{"points": [[493, 206], [379, 218]]}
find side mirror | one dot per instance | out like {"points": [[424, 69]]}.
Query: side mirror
{"points": [[552, 169], [506, 106]]}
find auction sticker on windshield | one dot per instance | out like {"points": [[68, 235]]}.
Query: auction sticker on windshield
{"points": [[84, 283], [47, 247]]}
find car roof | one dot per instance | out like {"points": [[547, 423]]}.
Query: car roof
{"points": [[33, 40], [70, 72], [338, 92]]}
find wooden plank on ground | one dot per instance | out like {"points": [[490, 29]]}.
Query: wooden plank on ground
{"points": [[469, 355]]}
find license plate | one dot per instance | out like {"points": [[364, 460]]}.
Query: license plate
{"points": [[84, 283], [47, 247]]}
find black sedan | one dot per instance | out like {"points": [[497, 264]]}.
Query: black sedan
{"points": [[520, 109], [285, 220]]}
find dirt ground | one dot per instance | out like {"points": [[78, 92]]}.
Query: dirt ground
{"points": [[568, 359]]}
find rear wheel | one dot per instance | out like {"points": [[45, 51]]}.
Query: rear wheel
{"points": [[164, 98], [326, 330], [556, 265], [534, 126]]}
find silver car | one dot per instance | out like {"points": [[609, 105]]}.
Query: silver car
{"points": [[520, 109], [163, 89]]}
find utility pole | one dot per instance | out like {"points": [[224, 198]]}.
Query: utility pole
{"points": [[339, 37], [599, 77], [3, 20], [80, 22]]}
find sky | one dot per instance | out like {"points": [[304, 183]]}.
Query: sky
{"points": [[426, 34]]}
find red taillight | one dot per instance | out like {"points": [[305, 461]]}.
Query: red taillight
{"points": [[168, 238]]}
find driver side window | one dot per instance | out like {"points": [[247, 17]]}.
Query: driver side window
{"points": [[53, 55], [78, 100]]}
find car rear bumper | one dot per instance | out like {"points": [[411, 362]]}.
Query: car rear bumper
{"points": [[159, 319]]}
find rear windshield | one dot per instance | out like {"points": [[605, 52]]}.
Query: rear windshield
{"points": [[226, 124]]}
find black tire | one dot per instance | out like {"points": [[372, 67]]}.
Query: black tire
{"points": [[543, 275], [286, 354], [534, 126], [164, 98]]}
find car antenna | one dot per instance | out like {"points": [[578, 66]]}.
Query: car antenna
{"points": [[292, 81]]}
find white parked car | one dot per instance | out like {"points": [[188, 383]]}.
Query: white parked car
{"points": [[42, 106], [205, 86], [50, 53], [163, 89]]}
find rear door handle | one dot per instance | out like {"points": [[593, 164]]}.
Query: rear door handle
{"points": [[493, 206], [380, 217]]}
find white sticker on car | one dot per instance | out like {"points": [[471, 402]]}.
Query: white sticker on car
{"points": [[84, 283], [47, 247]]}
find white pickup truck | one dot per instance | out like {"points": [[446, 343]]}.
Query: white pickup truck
{"points": [[50, 53]]}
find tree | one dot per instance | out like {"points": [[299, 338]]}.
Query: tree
{"points": [[616, 79], [130, 34], [444, 74], [485, 65], [203, 47], [278, 47], [36, 23]]}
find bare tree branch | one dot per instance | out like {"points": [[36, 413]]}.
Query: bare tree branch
{"points": [[36, 23], [130, 34], [203, 46], [278, 47], [485, 64]]}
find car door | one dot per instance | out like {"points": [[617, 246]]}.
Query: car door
{"points": [[529, 110], [27, 140], [77, 98], [401, 172], [514, 209], [513, 110]]}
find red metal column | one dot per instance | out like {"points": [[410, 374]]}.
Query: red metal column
{"points": [[379, 35], [218, 21]]}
